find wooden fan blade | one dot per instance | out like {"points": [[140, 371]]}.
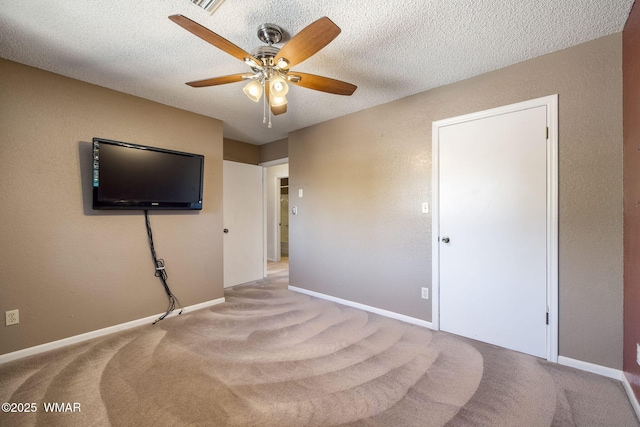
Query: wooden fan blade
{"points": [[213, 38], [323, 84], [218, 80], [308, 41]]}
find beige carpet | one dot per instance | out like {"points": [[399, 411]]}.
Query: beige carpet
{"points": [[272, 357]]}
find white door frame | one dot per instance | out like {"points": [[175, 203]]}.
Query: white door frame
{"points": [[278, 216], [266, 185], [551, 102]]}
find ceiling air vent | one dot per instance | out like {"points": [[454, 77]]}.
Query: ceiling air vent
{"points": [[208, 5]]}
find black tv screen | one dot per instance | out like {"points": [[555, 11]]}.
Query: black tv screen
{"points": [[131, 176]]}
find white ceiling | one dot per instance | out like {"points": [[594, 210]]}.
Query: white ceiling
{"points": [[389, 49]]}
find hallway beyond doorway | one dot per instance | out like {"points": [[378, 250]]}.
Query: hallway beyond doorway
{"points": [[278, 268]]}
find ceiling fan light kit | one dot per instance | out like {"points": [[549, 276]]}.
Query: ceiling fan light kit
{"points": [[277, 101], [253, 90], [278, 86], [270, 65]]}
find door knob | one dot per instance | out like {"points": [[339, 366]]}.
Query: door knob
{"points": [[226, 231], [445, 239]]}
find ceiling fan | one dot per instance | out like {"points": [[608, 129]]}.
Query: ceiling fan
{"points": [[270, 65]]}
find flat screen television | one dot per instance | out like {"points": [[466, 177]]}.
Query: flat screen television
{"points": [[131, 176]]}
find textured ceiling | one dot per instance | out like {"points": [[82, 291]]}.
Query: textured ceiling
{"points": [[388, 49]]}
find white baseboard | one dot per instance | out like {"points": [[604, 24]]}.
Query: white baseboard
{"points": [[616, 374], [631, 394], [8, 357], [368, 308]]}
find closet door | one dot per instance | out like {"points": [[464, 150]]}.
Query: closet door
{"points": [[243, 223], [493, 229]]}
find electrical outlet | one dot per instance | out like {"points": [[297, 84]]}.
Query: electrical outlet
{"points": [[11, 317], [425, 293]]}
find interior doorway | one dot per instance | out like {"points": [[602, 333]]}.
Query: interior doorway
{"points": [[284, 218], [276, 181]]}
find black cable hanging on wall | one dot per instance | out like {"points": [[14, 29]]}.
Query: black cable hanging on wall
{"points": [[161, 273]]}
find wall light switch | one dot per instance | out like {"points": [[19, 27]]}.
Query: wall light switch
{"points": [[425, 208], [425, 293], [638, 353], [300, 192]]}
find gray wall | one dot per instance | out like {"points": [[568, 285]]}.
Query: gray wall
{"points": [[360, 236], [275, 150], [242, 152], [69, 269]]}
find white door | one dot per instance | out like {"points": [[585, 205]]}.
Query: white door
{"points": [[493, 221], [243, 223]]}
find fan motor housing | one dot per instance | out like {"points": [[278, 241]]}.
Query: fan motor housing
{"points": [[265, 54], [270, 33]]}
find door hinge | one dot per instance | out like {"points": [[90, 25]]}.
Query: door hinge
{"points": [[547, 317], [547, 132]]}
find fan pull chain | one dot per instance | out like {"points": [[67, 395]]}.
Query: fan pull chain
{"points": [[268, 102], [264, 108]]}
